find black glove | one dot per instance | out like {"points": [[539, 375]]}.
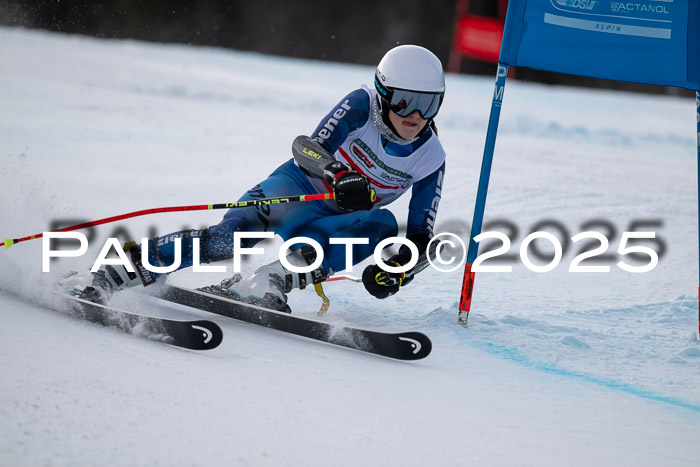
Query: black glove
{"points": [[381, 283], [352, 190]]}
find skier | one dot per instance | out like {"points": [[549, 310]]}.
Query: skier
{"points": [[370, 149]]}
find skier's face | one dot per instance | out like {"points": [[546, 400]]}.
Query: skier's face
{"points": [[407, 127]]}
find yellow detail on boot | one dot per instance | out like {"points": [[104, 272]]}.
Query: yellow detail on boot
{"points": [[326, 303]]}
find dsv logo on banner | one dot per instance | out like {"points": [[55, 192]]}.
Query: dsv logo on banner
{"points": [[577, 4]]}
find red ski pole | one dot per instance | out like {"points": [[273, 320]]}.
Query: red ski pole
{"points": [[197, 207]]}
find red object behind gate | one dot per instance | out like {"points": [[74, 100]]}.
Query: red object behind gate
{"points": [[475, 36]]}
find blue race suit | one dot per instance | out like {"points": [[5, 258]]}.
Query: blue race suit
{"points": [[321, 220]]}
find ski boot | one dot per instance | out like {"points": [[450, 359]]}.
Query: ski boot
{"points": [[99, 286], [269, 285]]}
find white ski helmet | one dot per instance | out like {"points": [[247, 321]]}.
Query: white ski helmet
{"points": [[410, 78]]}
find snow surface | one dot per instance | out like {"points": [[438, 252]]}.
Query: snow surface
{"points": [[556, 368]]}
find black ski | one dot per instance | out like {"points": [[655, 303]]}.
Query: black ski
{"points": [[401, 346], [194, 335]]}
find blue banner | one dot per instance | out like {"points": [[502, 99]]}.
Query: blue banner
{"points": [[643, 41]]}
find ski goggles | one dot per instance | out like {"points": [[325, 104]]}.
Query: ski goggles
{"points": [[403, 103]]}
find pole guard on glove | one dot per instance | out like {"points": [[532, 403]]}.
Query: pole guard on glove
{"points": [[381, 283], [352, 190]]}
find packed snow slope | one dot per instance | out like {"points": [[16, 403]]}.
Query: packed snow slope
{"points": [[555, 368]]}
